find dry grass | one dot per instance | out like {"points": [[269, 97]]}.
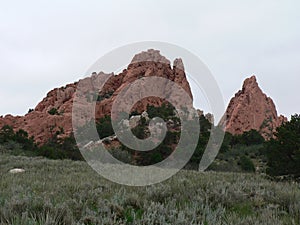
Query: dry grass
{"points": [[68, 192]]}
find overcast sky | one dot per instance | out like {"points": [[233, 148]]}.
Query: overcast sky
{"points": [[47, 44]]}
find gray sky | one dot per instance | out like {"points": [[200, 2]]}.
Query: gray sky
{"points": [[47, 44]]}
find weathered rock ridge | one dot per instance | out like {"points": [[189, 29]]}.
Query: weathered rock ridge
{"points": [[53, 115]]}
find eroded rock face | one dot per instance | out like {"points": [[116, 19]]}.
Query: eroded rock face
{"points": [[53, 115], [40, 123], [250, 109], [145, 64]]}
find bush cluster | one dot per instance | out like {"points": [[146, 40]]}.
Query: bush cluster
{"points": [[20, 143], [283, 151], [278, 156]]}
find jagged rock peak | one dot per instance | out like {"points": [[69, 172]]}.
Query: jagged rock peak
{"points": [[250, 108], [250, 83], [55, 112], [178, 64], [151, 55]]}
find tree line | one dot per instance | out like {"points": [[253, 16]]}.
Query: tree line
{"points": [[282, 152]]}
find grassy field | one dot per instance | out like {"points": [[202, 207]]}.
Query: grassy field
{"points": [[69, 192]]}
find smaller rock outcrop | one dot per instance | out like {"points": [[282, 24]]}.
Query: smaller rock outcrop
{"points": [[251, 109]]}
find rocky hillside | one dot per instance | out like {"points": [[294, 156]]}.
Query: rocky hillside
{"points": [[53, 115], [250, 109]]}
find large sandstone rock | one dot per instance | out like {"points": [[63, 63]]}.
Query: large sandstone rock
{"points": [[43, 125], [250, 109], [145, 64]]}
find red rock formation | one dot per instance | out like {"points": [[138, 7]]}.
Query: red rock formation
{"points": [[42, 125], [250, 109], [145, 64]]}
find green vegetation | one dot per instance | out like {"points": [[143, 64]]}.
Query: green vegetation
{"points": [[30, 110], [241, 153], [104, 127], [60, 149], [99, 98], [233, 160], [164, 150], [9, 138], [53, 111], [248, 138], [19, 143], [141, 131], [247, 152], [246, 164], [93, 97], [166, 111], [70, 192], [284, 151]]}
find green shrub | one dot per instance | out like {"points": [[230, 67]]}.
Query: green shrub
{"points": [[283, 152], [56, 148], [165, 111], [53, 111], [6, 134], [104, 127], [20, 138], [99, 98], [252, 137], [246, 164]]}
